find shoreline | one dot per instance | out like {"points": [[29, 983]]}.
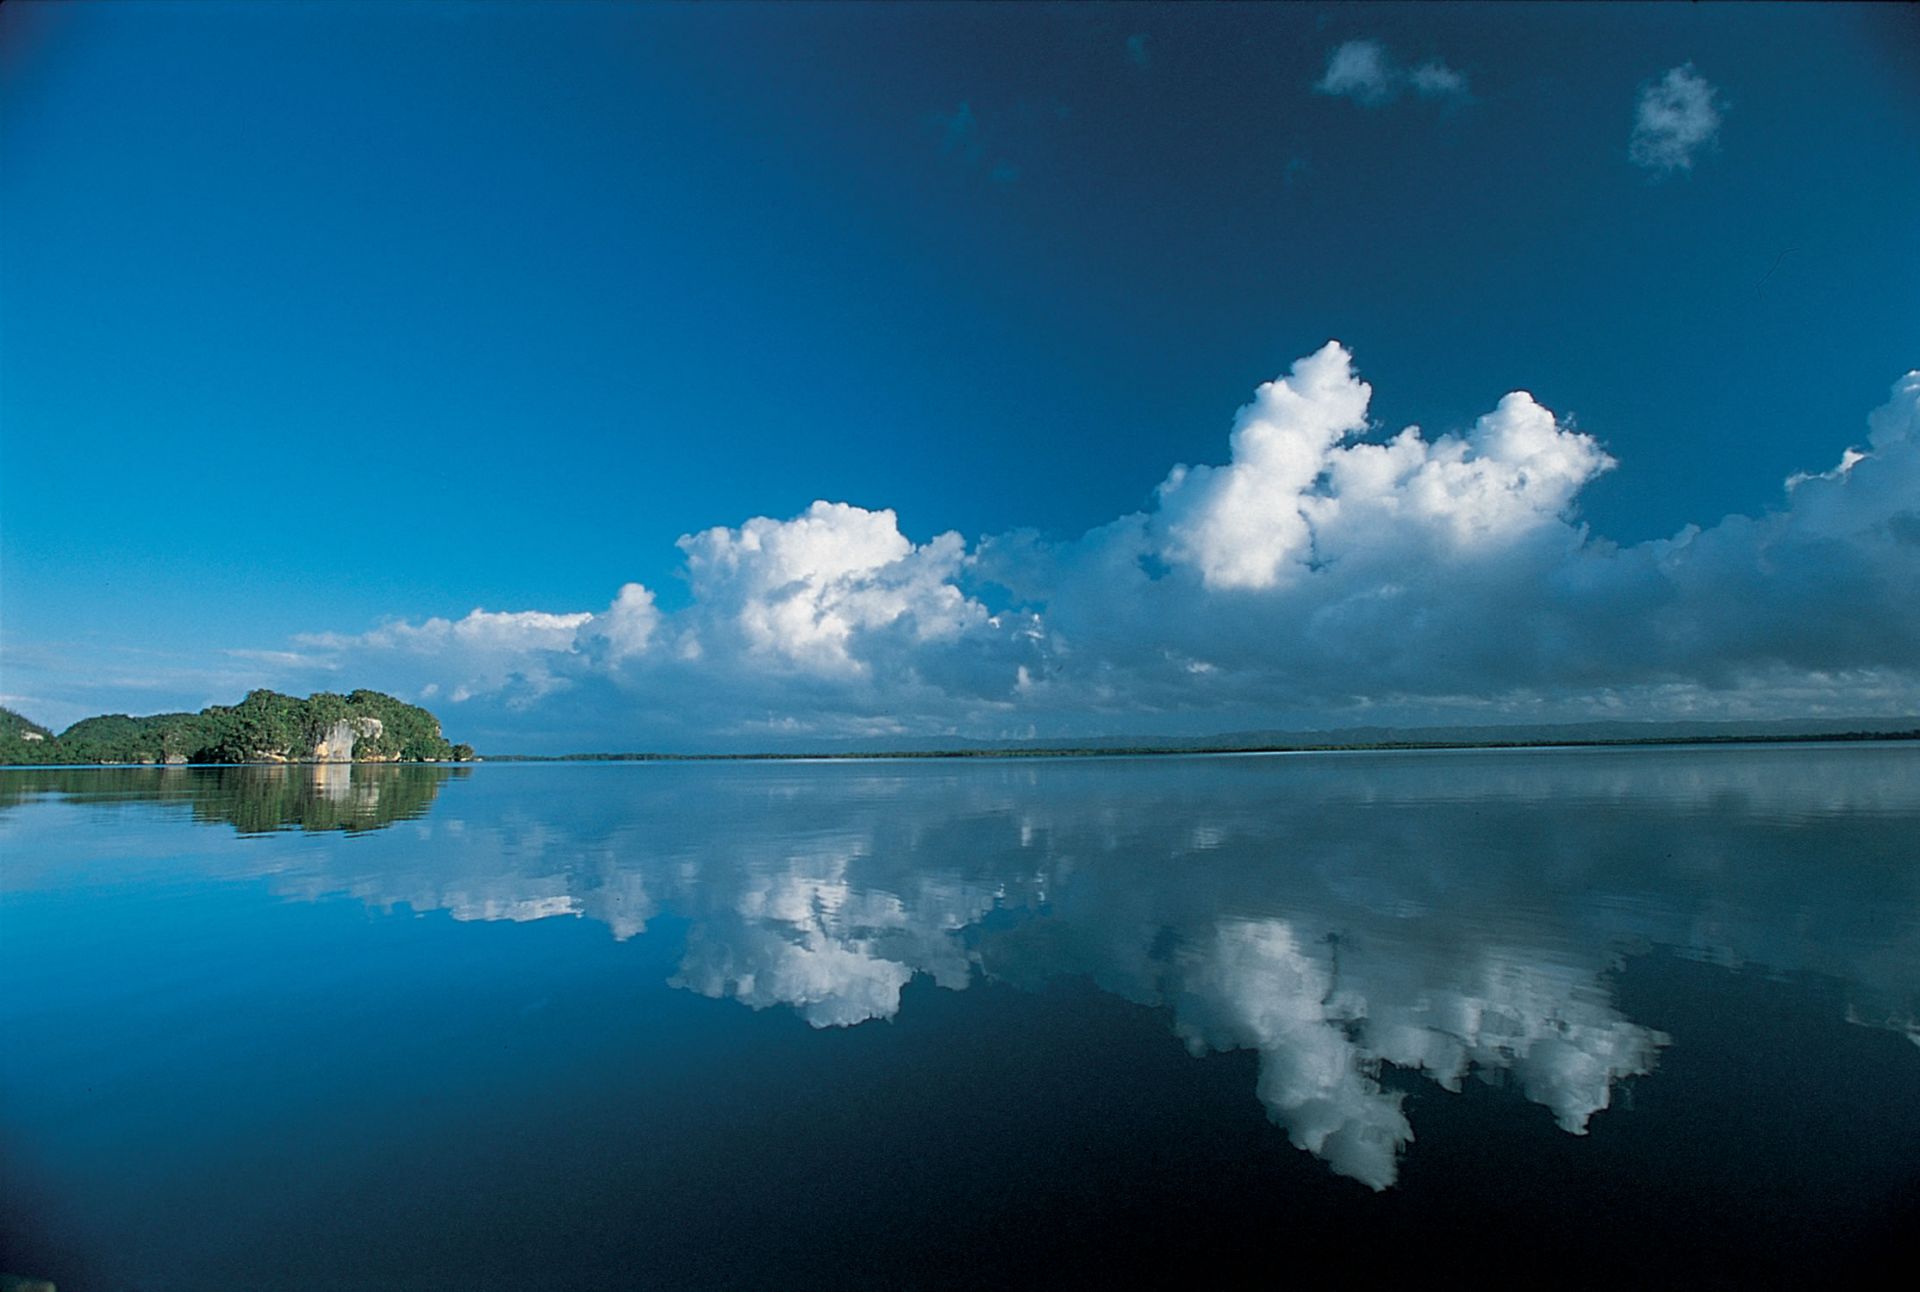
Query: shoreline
{"points": [[1174, 751]]}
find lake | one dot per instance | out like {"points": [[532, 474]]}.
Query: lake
{"points": [[1569, 1016]]}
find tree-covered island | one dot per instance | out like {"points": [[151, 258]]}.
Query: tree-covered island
{"points": [[266, 727]]}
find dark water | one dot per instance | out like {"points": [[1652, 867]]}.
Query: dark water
{"points": [[1556, 1017]]}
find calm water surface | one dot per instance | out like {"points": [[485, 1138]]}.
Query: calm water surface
{"points": [[1577, 1016]]}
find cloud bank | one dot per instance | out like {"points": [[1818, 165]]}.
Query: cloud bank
{"points": [[1674, 118], [1327, 568]]}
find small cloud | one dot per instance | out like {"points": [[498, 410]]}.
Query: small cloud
{"points": [[1137, 50], [1676, 117], [1005, 173], [1359, 70], [1436, 80], [286, 658], [1363, 70]]}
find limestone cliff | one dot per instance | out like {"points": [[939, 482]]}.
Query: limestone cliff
{"points": [[336, 745]]}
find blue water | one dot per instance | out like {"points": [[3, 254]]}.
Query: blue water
{"points": [[1572, 1016]]}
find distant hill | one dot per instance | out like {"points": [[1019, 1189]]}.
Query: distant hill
{"points": [[14, 726], [266, 727]]}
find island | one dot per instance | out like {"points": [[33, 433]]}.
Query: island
{"points": [[266, 727]]}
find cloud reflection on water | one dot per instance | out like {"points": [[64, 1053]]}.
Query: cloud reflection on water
{"points": [[1452, 915]]}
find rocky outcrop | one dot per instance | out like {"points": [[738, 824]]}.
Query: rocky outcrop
{"points": [[336, 746]]}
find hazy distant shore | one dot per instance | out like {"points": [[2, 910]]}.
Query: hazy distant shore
{"points": [[1170, 750]]}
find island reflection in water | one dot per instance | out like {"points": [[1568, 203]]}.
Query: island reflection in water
{"points": [[253, 799], [1456, 915]]}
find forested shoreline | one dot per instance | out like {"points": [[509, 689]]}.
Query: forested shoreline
{"points": [[266, 727]]}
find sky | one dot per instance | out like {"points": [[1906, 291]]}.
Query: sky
{"points": [[728, 376]]}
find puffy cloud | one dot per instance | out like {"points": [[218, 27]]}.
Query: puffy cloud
{"points": [[1317, 570], [1363, 71], [627, 626], [1242, 523], [1359, 70], [1327, 567], [798, 591], [1297, 496], [1674, 118]]}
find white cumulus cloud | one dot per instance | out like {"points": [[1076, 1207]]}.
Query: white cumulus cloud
{"points": [[1327, 567], [1363, 70], [799, 591], [1674, 119], [626, 626], [1298, 494]]}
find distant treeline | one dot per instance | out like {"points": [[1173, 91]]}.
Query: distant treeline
{"points": [[264, 727], [1140, 751]]}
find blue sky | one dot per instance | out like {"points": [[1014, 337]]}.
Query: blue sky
{"points": [[320, 324]]}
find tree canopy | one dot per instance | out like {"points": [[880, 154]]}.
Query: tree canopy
{"points": [[264, 727]]}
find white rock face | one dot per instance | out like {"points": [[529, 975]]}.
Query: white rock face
{"points": [[337, 745]]}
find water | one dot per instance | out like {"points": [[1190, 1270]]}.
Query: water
{"points": [[1584, 1016]]}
